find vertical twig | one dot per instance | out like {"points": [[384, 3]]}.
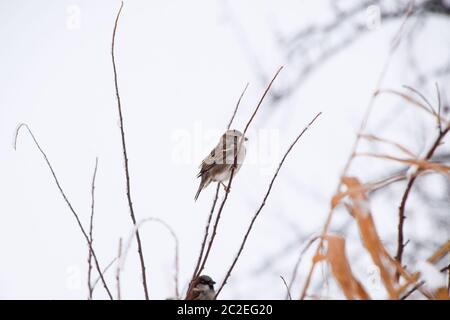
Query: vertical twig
{"points": [[448, 276], [205, 237], [125, 157], [438, 92], [237, 106], [244, 241], [61, 191], [401, 212], [208, 223], [299, 259], [91, 225], [175, 238], [119, 256], [288, 292]]}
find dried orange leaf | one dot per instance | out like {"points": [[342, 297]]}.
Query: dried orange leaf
{"points": [[340, 267], [360, 210]]}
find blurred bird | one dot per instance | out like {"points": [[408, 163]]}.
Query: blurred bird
{"points": [[203, 289], [218, 164]]}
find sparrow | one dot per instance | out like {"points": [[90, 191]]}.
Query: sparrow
{"points": [[203, 288], [218, 164]]}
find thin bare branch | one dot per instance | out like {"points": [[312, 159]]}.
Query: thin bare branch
{"points": [[119, 256], [430, 106], [91, 225], [125, 157], [237, 106], [412, 290], [376, 185], [297, 264], [288, 292], [401, 211], [244, 241], [406, 98], [61, 191], [205, 238], [439, 119], [175, 238], [262, 99], [433, 111], [108, 266], [395, 144]]}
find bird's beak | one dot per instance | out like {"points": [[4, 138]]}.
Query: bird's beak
{"points": [[213, 282]]}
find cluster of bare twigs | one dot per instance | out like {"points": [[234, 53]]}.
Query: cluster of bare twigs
{"points": [[66, 199], [122, 252], [202, 259], [352, 194], [88, 235], [306, 49]]}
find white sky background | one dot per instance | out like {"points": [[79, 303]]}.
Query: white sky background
{"points": [[181, 68]]}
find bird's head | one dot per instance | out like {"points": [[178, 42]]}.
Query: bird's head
{"points": [[232, 134], [206, 280]]}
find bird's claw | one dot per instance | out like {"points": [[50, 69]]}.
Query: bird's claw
{"points": [[225, 187]]}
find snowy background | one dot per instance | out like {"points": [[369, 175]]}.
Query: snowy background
{"points": [[182, 66]]}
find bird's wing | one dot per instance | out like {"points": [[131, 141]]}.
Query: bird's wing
{"points": [[217, 156], [195, 294]]}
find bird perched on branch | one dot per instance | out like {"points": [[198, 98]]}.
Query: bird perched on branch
{"points": [[217, 166], [203, 289]]}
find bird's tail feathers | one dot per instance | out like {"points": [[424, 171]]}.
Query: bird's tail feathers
{"points": [[203, 184]]}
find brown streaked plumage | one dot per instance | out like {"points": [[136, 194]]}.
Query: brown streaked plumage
{"points": [[218, 164]]}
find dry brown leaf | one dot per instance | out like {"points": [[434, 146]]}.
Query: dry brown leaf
{"points": [[442, 294], [442, 251], [340, 267], [336, 199], [369, 236]]}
